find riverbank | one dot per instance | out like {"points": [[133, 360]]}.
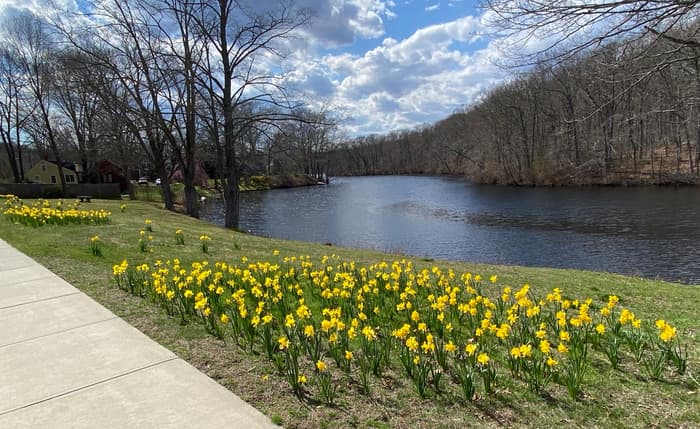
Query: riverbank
{"points": [[618, 179], [152, 193], [263, 183], [611, 398]]}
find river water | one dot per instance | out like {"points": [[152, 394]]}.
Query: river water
{"points": [[647, 231]]}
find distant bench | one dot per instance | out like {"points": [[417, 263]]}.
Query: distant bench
{"points": [[84, 198]]}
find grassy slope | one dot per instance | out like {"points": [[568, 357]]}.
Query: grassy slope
{"points": [[613, 398]]}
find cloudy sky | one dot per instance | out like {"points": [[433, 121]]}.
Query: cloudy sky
{"points": [[385, 64], [396, 64]]}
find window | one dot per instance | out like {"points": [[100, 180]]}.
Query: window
{"points": [[53, 179], [43, 167], [37, 179], [70, 178]]}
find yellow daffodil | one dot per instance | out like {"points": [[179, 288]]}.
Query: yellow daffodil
{"points": [[412, 343]]}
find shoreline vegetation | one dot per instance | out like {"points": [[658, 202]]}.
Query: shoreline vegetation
{"points": [[269, 182], [668, 181], [276, 181], [84, 252], [152, 193]]}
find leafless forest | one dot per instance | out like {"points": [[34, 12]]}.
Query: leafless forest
{"points": [[620, 106]]}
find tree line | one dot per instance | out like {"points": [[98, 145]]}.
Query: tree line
{"points": [[162, 85], [620, 106]]}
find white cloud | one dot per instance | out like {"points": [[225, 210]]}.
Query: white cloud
{"points": [[341, 22], [41, 7], [403, 83], [314, 78], [432, 7]]}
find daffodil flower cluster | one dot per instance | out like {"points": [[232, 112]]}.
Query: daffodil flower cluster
{"points": [[438, 328], [204, 241], [41, 213], [179, 237], [95, 247]]}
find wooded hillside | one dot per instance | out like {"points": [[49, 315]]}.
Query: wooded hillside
{"points": [[625, 113]]}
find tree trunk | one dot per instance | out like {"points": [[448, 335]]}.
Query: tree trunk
{"points": [[156, 145], [168, 202], [62, 179], [11, 158], [191, 197], [129, 186], [697, 149], [165, 190], [232, 197], [54, 150], [231, 193], [19, 154]]}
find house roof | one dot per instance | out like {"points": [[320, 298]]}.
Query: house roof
{"points": [[66, 164]]}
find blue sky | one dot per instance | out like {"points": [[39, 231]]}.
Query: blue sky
{"points": [[414, 14], [391, 65], [385, 65]]}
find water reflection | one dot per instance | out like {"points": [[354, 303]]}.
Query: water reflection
{"points": [[640, 231]]}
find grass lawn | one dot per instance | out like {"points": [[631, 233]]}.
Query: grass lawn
{"points": [[152, 193], [623, 397]]}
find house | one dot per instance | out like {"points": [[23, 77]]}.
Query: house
{"points": [[47, 173], [109, 172], [201, 178]]}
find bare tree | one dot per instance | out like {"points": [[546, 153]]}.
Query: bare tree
{"points": [[78, 102], [570, 28], [14, 111], [180, 50], [126, 48], [306, 141], [239, 38], [32, 47]]}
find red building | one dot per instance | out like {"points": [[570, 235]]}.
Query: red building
{"points": [[108, 172], [201, 178]]}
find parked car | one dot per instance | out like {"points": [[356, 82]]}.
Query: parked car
{"points": [[143, 181], [157, 181]]}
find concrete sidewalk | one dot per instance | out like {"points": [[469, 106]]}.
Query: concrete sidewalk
{"points": [[67, 362]]}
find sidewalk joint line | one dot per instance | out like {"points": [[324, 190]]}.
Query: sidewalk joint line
{"points": [[60, 332], [42, 300], [27, 266], [47, 276], [87, 386]]}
